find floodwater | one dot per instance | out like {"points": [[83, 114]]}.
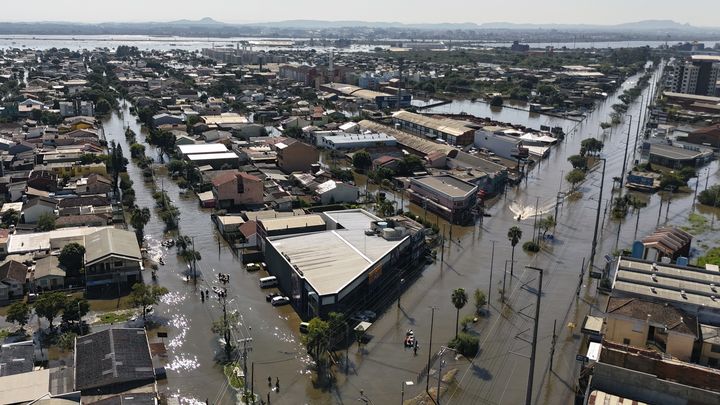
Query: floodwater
{"points": [[513, 114], [192, 348], [146, 42], [498, 374]]}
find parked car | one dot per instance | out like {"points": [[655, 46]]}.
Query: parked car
{"points": [[304, 327], [280, 300], [366, 315], [272, 295]]}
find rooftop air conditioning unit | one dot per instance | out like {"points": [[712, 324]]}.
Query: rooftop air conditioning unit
{"points": [[653, 290], [682, 293]]}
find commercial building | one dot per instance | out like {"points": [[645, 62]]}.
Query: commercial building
{"points": [[691, 289], [502, 145], [677, 156], [337, 141], [353, 264], [218, 161], [708, 136], [445, 130], [379, 99], [201, 148], [447, 196], [697, 75]]}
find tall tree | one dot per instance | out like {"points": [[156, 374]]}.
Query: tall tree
{"points": [[75, 309], [459, 299], [362, 160], [19, 313], [72, 257], [514, 235], [143, 295], [574, 177], [138, 219], [480, 300], [46, 222], [49, 305]]}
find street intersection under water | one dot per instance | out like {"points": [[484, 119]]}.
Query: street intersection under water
{"points": [[497, 375]]}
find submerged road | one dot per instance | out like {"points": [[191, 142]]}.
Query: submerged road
{"points": [[497, 375]]}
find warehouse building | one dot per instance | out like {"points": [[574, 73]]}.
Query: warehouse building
{"points": [[352, 265], [381, 100], [445, 130]]}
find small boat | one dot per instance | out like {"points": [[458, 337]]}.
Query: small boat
{"points": [[409, 338]]}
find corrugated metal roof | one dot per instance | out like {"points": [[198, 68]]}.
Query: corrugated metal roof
{"points": [[111, 241], [291, 222]]}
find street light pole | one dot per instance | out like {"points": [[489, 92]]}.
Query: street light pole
{"points": [[492, 262], [627, 144], [427, 380], [597, 216], [402, 390], [640, 123], [531, 373]]}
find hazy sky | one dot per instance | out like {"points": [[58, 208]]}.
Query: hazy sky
{"points": [[695, 12]]}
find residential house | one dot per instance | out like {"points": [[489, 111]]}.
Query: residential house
{"points": [[710, 353], [37, 207], [47, 274], [296, 156], [113, 361], [235, 188], [13, 276], [641, 323], [166, 119], [43, 180], [112, 256], [335, 192], [93, 184]]}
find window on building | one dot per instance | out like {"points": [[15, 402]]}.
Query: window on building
{"points": [[626, 341], [715, 348], [118, 264], [712, 362]]}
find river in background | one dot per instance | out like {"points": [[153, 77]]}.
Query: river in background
{"points": [[147, 42]]}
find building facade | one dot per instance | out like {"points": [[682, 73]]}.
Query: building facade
{"points": [[448, 196]]}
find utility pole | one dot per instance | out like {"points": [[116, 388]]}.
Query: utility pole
{"points": [[597, 216], [531, 373], [627, 144], [492, 262], [192, 240], [639, 124], [552, 348], [432, 321], [537, 202], [437, 393], [697, 181]]}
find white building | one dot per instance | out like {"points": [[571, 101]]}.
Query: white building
{"points": [[333, 192], [335, 140]]}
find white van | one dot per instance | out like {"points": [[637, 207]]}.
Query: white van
{"points": [[267, 282]]}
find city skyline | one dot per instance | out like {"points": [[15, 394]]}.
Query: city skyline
{"points": [[403, 11]]}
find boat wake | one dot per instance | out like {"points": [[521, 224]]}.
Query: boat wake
{"points": [[522, 212]]}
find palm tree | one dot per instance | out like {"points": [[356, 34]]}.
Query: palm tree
{"points": [[514, 235], [138, 219], [459, 299], [637, 203]]}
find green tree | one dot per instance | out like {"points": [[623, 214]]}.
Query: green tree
{"points": [[591, 145], [66, 341], [143, 295], [514, 235], [102, 107], [480, 300], [672, 180], [10, 217], [72, 257], [75, 309], [574, 177], [316, 340], [410, 164], [49, 305], [385, 208], [46, 222], [362, 160], [19, 313], [496, 101], [711, 196], [138, 219], [545, 224], [466, 344], [137, 150], [578, 162], [459, 299]]}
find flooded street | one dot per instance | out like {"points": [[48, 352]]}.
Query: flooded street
{"points": [[498, 374], [193, 373]]}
